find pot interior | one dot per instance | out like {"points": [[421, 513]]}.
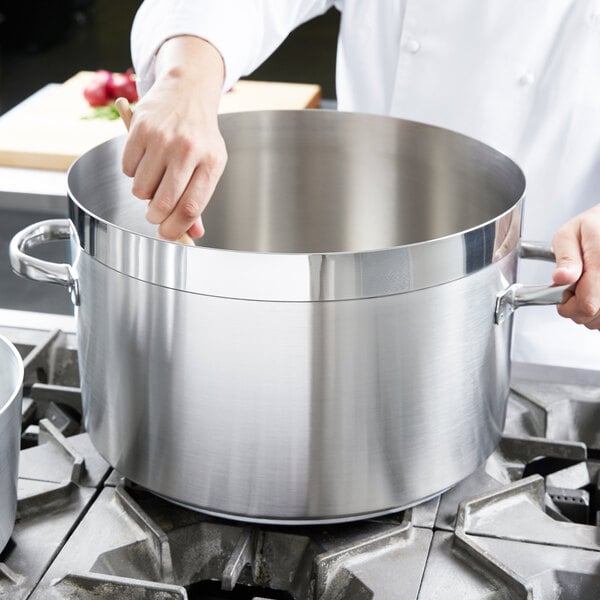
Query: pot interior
{"points": [[324, 181]]}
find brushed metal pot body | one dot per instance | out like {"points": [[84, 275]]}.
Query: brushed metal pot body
{"points": [[11, 386], [339, 344]]}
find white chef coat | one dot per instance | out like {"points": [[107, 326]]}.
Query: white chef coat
{"points": [[520, 75]]}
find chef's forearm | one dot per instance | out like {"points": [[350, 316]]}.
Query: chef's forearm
{"points": [[194, 63], [245, 33]]}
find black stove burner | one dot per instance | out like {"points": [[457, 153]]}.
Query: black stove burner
{"points": [[572, 485], [211, 590], [545, 465]]}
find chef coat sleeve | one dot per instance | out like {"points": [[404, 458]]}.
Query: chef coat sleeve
{"points": [[245, 32]]}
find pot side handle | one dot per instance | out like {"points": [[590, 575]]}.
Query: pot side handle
{"points": [[37, 269], [519, 294]]}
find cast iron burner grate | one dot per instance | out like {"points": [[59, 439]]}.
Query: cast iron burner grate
{"points": [[522, 526], [51, 383]]}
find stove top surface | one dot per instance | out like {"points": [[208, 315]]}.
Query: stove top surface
{"points": [[525, 525]]}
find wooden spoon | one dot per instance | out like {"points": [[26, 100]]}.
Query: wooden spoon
{"points": [[122, 105]]}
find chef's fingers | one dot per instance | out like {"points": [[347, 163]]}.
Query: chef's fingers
{"points": [[594, 323], [567, 249], [148, 174], [197, 229], [132, 154], [143, 160], [192, 202], [172, 186], [148, 171], [582, 304]]}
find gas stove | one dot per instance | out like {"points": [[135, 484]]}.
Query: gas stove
{"points": [[525, 525]]}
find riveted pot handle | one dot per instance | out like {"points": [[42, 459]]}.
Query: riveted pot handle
{"points": [[37, 269], [519, 294]]}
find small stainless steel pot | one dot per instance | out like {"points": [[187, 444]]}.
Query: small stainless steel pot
{"points": [[337, 346], [11, 387]]}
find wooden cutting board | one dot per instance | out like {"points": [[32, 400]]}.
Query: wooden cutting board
{"points": [[49, 130]]}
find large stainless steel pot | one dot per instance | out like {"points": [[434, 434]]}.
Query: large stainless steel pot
{"points": [[332, 350], [11, 386]]}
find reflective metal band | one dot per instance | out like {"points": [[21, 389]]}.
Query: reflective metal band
{"points": [[13, 373], [297, 277]]}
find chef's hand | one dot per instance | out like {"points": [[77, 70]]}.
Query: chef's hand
{"points": [[577, 250], [175, 152]]}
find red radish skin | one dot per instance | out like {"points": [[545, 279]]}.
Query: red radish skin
{"points": [[122, 85], [96, 94], [104, 87]]}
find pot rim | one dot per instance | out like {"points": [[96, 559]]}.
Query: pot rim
{"points": [[296, 276]]}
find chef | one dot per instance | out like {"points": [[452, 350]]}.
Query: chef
{"points": [[519, 75]]}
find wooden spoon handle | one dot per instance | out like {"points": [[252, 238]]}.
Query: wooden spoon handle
{"points": [[124, 108]]}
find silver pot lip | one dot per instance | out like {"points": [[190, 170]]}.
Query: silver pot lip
{"points": [[296, 277], [11, 354]]}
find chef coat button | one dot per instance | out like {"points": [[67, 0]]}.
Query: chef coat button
{"points": [[412, 46], [527, 78]]}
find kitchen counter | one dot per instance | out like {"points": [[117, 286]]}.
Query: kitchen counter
{"points": [[53, 127], [43, 135]]}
